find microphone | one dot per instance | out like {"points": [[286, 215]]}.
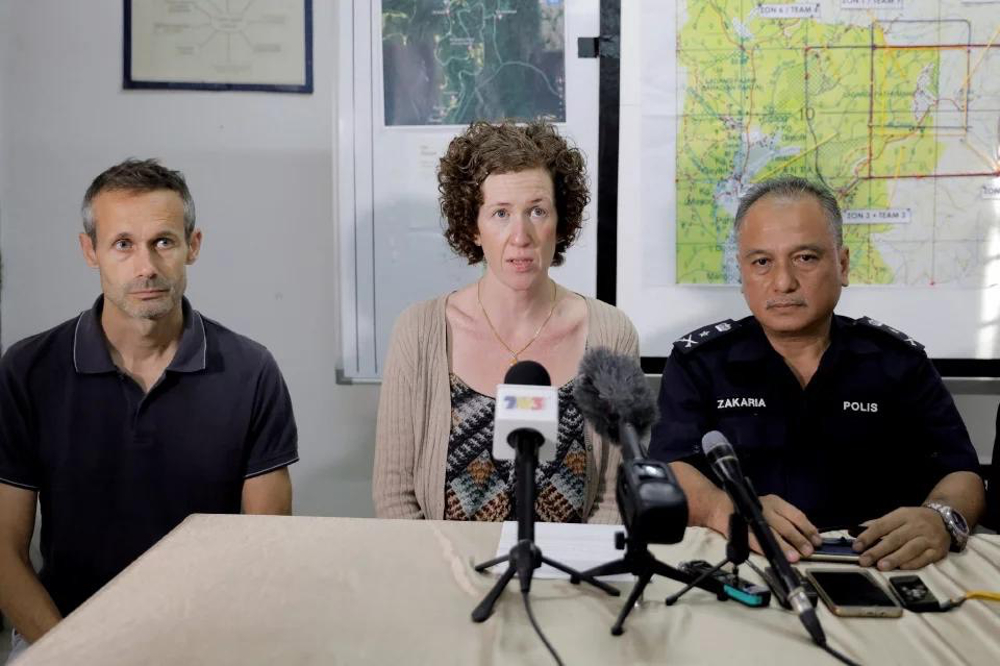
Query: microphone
{"points": [[526, 418], [527, 413], [726, 465], [613, 395]]}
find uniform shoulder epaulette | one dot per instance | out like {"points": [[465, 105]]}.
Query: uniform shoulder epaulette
{"points": [[700, 336], [875, 324]]}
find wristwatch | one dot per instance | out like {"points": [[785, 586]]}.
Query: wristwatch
{"points": [[954, 522]]}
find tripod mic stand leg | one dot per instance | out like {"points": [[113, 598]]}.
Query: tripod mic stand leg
{"points": [[697, 582], [480, 568], [607, 569], [576, 576], [481, 612], [616, 629]]}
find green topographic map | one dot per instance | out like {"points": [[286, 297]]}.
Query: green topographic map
{"points": [[897, 112], [450, 62]]}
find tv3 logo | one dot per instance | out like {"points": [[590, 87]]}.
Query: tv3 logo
{"points": [[515, 402]]}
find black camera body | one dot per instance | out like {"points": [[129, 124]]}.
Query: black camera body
{"points": [[652, 505]]}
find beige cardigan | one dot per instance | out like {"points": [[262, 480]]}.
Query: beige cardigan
{"points": [[414, 415]]}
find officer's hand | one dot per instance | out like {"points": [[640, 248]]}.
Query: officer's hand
{"points": [[794, 533], [911, 537]]}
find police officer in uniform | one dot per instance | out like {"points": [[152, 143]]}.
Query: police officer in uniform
{"points": [[836, 421]]}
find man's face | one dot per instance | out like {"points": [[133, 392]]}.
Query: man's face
{"points": [[140, 251], [791, 267]]}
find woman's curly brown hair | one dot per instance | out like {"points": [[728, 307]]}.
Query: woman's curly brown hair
{"points": [[505, 147]]}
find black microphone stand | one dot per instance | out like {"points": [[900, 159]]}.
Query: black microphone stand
{"points": [[525, 556], [639, 526], [641, 563], [737, 552]]}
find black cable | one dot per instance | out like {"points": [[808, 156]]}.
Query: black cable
{"points": [[538, 630], [826, 646]]}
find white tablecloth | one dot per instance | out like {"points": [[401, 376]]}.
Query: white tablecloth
{"points": [[266, 590]]}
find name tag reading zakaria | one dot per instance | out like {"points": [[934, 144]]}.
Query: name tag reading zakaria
{"points": [[734, 403]]}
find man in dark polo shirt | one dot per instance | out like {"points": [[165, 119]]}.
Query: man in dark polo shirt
{"points": [[128, 418], [836, 421]]}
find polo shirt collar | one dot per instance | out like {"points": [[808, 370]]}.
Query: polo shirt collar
{"points": [[90, 349], [90, 353], [192, 352]]}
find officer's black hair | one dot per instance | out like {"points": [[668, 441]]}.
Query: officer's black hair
{"points": [[793, 187]]}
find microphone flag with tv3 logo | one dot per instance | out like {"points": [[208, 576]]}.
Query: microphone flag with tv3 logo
{"points": [[527, 406], [726, 465], [613, 395]]}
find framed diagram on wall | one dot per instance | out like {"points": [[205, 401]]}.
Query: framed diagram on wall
{"points": [[262, 45]]}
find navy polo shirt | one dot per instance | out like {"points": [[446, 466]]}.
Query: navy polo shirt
{"points": [[875, 429], [116, 468]]}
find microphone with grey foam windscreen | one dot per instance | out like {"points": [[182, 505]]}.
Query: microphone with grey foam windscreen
{"points": [[613, 395]]}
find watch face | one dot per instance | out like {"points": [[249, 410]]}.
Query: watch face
{"points": [[960, 523]]}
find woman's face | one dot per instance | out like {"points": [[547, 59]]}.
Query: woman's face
{"points": [[517, 226]]}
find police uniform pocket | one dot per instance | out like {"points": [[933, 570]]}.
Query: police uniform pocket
{"points": [[753, 432], [859, 423], [760, 439]]}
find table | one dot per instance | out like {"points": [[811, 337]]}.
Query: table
{"points": [[276, 590]]}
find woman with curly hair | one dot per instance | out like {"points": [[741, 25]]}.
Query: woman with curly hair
{"points": [[513, 198]]}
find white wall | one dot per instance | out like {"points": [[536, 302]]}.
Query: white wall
{"points": [[979, 412], [260, 169]]}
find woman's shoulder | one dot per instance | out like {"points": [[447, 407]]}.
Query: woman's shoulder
{"points": [[607, 315], [421, 315], [609, 326], [419, 331]]}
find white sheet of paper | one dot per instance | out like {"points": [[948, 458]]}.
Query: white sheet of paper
{"points": [[577, 546]]}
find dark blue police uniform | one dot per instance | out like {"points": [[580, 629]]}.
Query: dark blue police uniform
{"points": [[117, 468], [874, 429]]}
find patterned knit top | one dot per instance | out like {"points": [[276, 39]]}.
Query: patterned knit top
{"points": [[477, 487]]}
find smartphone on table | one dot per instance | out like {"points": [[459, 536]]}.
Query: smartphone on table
{"points": [[835, 549], [853, 593], [914, 595]]}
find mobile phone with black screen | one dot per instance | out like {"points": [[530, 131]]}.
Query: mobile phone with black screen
{"points": [[853, 593], [835, 549], [914, 594]]}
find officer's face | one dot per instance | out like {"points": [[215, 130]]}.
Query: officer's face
{"points": [[791, 267], [141, 252]]}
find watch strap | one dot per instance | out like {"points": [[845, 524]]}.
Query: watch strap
{"points": [[959, 537]]}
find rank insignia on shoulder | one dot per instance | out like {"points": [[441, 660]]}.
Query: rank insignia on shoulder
{"points": [[702, 335], [889, 330]]}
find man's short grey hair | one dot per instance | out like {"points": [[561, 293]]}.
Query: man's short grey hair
{"points": [[134, 175], [793, 187]]}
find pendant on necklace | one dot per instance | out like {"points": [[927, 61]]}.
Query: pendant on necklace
{"points": [[513, 361]]}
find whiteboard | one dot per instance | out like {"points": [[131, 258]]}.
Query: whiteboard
{"points": [[392, 249], [956, 316]]}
